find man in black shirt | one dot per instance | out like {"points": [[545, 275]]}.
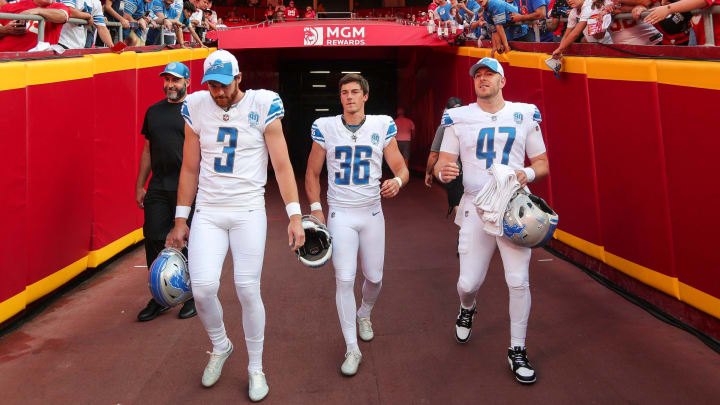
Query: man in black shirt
{"points": [[164, 130]]}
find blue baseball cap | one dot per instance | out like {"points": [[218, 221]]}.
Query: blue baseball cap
{"points": [[489, 63], [220, 66], [176, 69]]}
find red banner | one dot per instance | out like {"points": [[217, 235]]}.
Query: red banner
{"points": [[328, 34]]}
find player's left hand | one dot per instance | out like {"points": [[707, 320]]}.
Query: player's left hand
{"points": [[296, 233], [521, 177], [390, 188]]}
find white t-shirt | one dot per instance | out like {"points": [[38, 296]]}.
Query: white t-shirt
{"points": [[632, 32], [481, 138], [590, 16], [233, 167], [74, 36], [354, 160]]}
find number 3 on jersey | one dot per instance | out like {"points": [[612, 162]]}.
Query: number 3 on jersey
{"points": [[228, 151], [355, 163], [486, 145]]}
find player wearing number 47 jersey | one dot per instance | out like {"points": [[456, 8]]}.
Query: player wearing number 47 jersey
{"points": [[228, 136], [489, 131], [354, 145]]}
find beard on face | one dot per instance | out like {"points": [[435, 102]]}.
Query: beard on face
{"points": [[225, 102], [175, 94]]}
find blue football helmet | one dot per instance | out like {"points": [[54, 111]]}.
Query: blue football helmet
{"points": [[528, 220], [169, 278]]}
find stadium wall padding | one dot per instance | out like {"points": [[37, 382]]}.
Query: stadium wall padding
{"points": [[624, 138], [71, 143]]}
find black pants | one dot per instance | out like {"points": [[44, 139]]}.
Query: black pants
{"points": [[159, 220], [454, 191]]}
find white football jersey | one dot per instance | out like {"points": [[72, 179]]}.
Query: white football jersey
{"points": [[73, 35], [481, 139], [354, 160], [233, 167]]}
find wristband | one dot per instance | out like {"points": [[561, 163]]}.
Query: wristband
{"points": [[316, 206], [529, 173], [182, 211], [293, 209], [399, 180]]}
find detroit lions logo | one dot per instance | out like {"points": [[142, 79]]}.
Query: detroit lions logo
{"points": [[253, 118], [512, 230], [178, 281], [518, 118], [217, 65], [375, 139]]}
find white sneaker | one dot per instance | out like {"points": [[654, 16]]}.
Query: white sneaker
{"points": [[258, 386], [365, 330], [352, 362], [214, 367]]}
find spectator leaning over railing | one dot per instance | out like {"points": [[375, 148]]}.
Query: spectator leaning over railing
{"points": [[520, 33], [497, 16], [536, 10], [675, 28], [660, 13], [585, 18], [138, 12], [113, 10], [167, 15], [22, 35], [74, 36], [630, 31], [467, 10], [188, 28], [443, 16], [97, 36], [432, 7]]}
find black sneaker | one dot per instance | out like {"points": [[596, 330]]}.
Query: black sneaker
{"points": [[151, 311], [520, 365], [463, 325], [188, 309]]}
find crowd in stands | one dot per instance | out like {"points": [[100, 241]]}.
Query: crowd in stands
{"points": [[155, 22]]}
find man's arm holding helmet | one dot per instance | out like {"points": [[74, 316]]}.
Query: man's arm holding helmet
{"points": [[312, 179], [539, 165]]}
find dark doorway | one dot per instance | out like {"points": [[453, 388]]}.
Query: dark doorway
{"points": [[309, 90]]}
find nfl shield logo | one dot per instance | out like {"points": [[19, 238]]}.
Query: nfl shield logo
{"points": [[518, 118], [375, 139], [253, 118]]}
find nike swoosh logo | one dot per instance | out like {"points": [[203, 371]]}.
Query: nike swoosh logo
{"points": [[375, 213]]}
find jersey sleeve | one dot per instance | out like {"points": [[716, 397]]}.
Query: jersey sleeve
{"points": [[450, 142], [188, 111], [316, 133], [572, 19], [534, 144], [391, 131], [97, 13], [273, 107], [447, 119]]}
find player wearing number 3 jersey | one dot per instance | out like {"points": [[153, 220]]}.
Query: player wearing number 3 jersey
{"points": [[489, 131], [353, 144], [228, 136]]}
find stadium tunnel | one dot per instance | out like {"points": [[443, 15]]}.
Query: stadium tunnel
{"points": [[634, 233]]}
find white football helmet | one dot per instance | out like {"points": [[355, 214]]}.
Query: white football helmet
{"points": [[528, 220], [317, 249], [169, 278]]}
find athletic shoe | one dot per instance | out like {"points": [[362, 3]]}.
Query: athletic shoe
{"points": [[520, 365], [463, 325], [214, 367], [151, 311], [365, 330], [258, 386], [188, 309], [352, 361]]}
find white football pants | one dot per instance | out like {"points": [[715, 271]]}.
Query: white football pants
{"points": [[476, 247], [212, 231], [356, 230]]}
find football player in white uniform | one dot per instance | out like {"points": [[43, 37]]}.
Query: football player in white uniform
{"points": [[228, 135], [492, 130], [354, 145]]}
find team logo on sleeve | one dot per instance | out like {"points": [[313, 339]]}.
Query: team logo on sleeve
{"points": [[518, 118], [536, 115], [253, 118], [375, 139]]}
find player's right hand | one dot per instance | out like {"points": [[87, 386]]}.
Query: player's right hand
{"points": [[319, 215], [428, 179], [449, 170], [140, 197], [178, 236]]}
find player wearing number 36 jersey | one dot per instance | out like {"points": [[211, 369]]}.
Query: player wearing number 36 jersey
{"points": [[353, 144], [489, 131]]}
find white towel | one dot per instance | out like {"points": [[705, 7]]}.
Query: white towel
{"points": [[493, 199]]}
